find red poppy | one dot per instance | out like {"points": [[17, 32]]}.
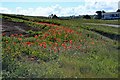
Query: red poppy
{"points": [[69, 47], [14, 43], [28, 43], [46, 35], [35, 36], [20, 39], [65, 47], [56, 44], [58, 39], [58, 49], [78, 47], [55, 50], [39, 35], [44, 46], [63, 44], [21, 35], [16, 34], [77, 33], [44, 43], [40, 44], [12, 35], [92, 43], [59, 33], [70, 41]]}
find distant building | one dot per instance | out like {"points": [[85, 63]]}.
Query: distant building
{"points": [[111, 15], [107, 15]]}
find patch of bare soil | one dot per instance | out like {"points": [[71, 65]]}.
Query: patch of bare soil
{"points": [[10, 27]]}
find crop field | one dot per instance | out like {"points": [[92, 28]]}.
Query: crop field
{"points": [[38, 47]]}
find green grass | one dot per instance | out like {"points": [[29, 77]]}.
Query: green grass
{"points": [[91, 55]]}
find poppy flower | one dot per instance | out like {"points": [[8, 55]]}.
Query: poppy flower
{"points": [[58, 49], [63, 44], [69, 47], [21, 35], [56, 44], [40, 44], [14, 43], [20, 39], [44, 43], [12, 35], [28, 43], [92, 43], [55, 50], [35, 36], [59, 33], [58, 39], [70, 41], [44, 46], [46, 35], [78, 47], [16, 34]]}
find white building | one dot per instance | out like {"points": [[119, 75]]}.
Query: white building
{"points": [[50, 16], [111, 15]]}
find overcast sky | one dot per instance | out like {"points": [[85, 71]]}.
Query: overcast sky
{"points": [[58, 7]]}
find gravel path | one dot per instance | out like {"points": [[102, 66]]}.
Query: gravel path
{"points": [[112, 25]]}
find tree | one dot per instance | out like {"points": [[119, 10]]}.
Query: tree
{"points": [[118, 10], [87, 17], [54, 16], [99, 14], [103, 11]]}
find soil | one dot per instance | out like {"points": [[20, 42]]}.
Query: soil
{"points": [[10, 27]]}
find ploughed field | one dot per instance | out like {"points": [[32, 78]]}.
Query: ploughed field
{"points": [[36, 47]]}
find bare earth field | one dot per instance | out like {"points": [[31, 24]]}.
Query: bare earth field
{"points": [[10, 27]]}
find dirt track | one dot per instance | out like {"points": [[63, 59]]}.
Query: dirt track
{"points": [[101, 24]]}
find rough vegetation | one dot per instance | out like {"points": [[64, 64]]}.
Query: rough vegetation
{"points": [[52, 48]]}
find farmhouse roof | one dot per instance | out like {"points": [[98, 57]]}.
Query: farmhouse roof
{"points": [[111, 12]]}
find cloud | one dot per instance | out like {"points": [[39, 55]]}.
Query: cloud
{"points": [[5, 10], [101, 1], [90, 7], [59, 0], [41, 0], [119, 4], [94, 5]]}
